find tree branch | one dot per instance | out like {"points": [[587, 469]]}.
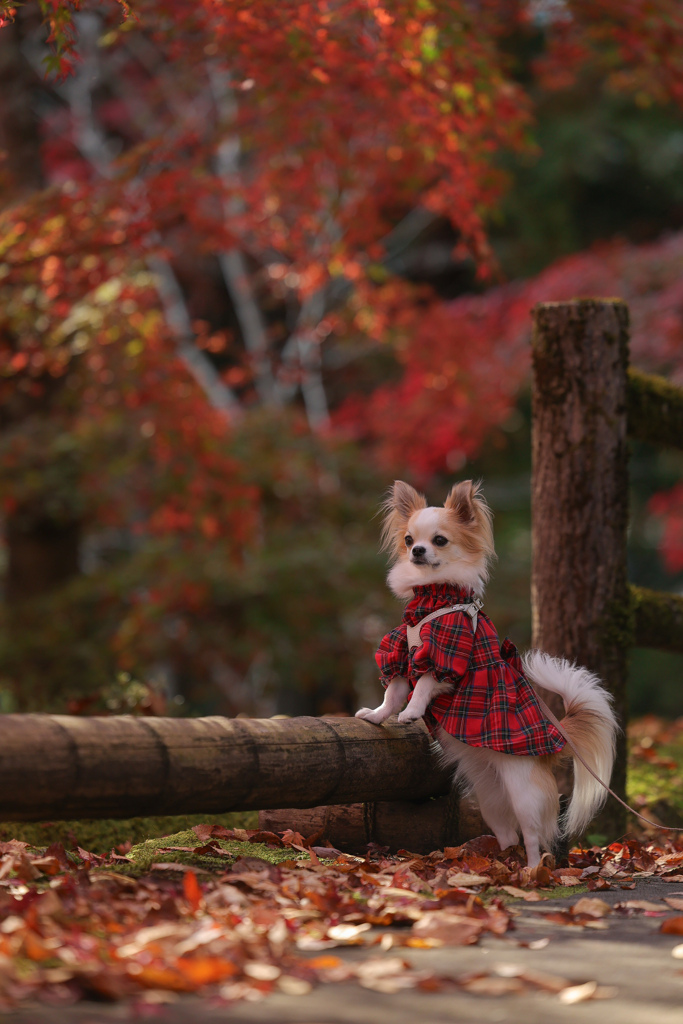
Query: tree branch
{"points": [[93, 145]]}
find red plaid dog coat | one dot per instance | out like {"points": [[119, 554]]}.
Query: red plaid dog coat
{"points": [[493, 704]]}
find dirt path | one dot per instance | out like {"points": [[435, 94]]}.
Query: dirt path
{"points": [[629, 956]]}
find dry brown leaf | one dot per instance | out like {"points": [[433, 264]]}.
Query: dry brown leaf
{"points": [[672, 926], [292, 986], [641, 905], [450, 928], [461, 879], [539, 979], [349, 933], [490, 985], [591, 905], [578, 993], [530, 895]]}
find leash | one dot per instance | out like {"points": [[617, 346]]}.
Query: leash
{"points": [[552, 718]]}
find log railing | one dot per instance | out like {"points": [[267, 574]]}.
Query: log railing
{"points": [[66, 766], [586, 403]]}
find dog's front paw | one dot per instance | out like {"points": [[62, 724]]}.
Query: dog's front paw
{"points": [[377, 716], [409, 715]]}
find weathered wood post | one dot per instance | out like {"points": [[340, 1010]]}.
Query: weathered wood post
{"points": [[579, 590]]}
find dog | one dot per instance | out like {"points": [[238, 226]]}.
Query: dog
{"points": [[476, 694]]}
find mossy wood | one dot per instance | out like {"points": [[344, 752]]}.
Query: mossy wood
{"points": [[579, 589], [419, 827], [657, 619], [56, 767], [655, 410]]}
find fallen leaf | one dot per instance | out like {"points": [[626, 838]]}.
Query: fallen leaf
{"points": [[641, 905], [539, 979], [578, 993], [262, 971], [460, 879], [488, 985], [672, 926], [530, 895], [191, 890], [292, 986], [449, 928], [347, 932], [591, 905], [206, 970]]}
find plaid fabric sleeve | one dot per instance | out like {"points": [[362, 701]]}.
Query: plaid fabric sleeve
{"points": [[392, 655], [446, 648]]}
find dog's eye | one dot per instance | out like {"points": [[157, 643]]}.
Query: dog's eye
{"points": [[440, 541], [409, 541]]}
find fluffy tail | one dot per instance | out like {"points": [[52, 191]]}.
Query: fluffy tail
{"points": [[591, 726]]}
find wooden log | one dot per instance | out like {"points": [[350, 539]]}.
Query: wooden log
{"points": [[579, 590], [58, 767], [655, 410], [419, 827], [657, 619]]}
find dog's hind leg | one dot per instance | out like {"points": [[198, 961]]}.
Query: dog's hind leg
{"points": [[533, 796], [477, 770], [495, 808]]}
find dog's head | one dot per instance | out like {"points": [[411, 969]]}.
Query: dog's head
{"points": [[452, 543]]}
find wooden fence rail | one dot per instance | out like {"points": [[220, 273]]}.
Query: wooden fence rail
{"points": [[57, 767], [657, 619], [655, 410]]}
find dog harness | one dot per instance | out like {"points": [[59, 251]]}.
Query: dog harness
{"points": [[472, 609]]}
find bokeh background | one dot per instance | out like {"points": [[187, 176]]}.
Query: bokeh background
{"points": [[256, 262]]}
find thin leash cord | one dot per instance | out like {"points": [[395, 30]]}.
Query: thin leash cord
{"points": [[551, 717]]}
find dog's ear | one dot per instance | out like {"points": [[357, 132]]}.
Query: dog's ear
{"points": [[405, 500], [461, 499], [397, 508]]}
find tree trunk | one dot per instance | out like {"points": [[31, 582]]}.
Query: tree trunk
{"points": [[57, 767], [42, 551], [19, 132], [579, 590]]}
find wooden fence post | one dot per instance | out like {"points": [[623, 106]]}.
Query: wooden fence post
{"points": [[579, 589]]}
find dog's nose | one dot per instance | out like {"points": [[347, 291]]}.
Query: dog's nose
{"points": [[418, 551]]}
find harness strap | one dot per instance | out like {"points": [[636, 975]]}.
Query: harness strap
{"points": [[472, 608], [552, 718]]}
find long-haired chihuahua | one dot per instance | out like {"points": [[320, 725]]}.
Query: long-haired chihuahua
{"points": [[476, 694]]}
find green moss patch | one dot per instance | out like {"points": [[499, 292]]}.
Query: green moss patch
{"points": [[173, 849], [109, 833]]}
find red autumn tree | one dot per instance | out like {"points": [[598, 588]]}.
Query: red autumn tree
{"points": [[220, 201]]}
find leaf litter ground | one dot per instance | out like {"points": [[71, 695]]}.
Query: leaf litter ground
{"points": [[237, 914]]}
